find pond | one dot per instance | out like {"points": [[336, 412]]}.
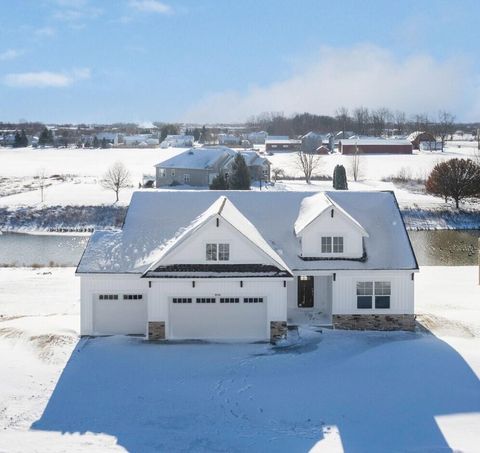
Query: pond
{"points": [[433, 248]]}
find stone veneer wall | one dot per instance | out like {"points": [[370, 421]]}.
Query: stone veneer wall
{"points": [[277, 330], [374, 322], [156, 330]]}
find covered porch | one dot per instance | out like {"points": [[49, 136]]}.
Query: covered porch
{"points": [[310, 300]]}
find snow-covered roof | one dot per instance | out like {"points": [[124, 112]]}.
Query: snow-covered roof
{"points": [[286, 141], [313, 207], [198, 158], [224, 209], [373, 142], [156, 218]]}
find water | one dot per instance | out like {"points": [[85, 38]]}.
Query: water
{"points": [[433, 248], [18, 249]]}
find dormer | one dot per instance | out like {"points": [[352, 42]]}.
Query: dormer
{"points": [[327, 231]]}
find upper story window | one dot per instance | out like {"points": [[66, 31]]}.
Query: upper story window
{"points": [[163, 172], [172, 172], [218, 252], [332, 244], [186, 178]]}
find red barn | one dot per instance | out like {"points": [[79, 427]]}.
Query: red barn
{"points": [[375, 146]]}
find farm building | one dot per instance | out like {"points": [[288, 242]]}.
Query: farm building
{"points": [[415, 138], [375, 146], [282, 143], [242, 265]]}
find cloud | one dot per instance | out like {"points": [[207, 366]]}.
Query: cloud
{"points": [[45, 31], [45, 79], [364, 75], [151, 6], [75, 10], [10, 54]]}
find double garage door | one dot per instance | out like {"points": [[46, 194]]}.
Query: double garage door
{"points": [[116, 314], [232, 318]]}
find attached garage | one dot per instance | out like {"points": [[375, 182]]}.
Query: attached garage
{"points": [[119, 314], [218, 318]]}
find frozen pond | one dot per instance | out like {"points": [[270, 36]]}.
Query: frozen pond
{"points": [[433, 248]]}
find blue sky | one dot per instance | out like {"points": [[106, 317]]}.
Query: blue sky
{"points": [[214, 60]]}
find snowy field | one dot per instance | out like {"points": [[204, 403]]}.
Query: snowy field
{"points": [[81, 170], [333, 391]]}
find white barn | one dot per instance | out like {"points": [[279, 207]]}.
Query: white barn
{"points": [[242, 265]]}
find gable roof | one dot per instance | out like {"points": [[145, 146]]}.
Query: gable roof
{"points": [[374, 141], [222, 208], [313, 207], [156, 217], [198, 158]]}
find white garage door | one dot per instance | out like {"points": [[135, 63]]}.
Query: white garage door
{"points": [[226, 318], [120, 314]]}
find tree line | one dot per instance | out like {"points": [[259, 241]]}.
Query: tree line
{"points": [[361, 121]]}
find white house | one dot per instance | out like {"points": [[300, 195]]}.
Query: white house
{"points": [[242, 265], [177, 141]]}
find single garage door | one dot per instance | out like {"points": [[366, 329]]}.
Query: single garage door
{"points": [[119, 314], [218, 318]]}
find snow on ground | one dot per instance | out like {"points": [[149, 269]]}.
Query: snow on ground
{"points": [[82, 170], [333, 391]]}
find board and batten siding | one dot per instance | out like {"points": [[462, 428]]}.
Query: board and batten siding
{"points": [[93, 284], [344, 292], [272, 290]]}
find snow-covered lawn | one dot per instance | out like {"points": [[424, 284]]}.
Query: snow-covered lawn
{"points": [[83, 168], [334, 391]]}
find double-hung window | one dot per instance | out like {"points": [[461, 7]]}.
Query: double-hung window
{"points": [[218, 252], [337, 244], [367, 291], [326, 244]]}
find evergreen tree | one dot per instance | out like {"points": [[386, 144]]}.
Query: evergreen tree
{"points": [[46, 137], [23, 139], [96, 142], [340, 178], [104, 142], [196, 134], [240, 178], [219, 182], [18, 139]]}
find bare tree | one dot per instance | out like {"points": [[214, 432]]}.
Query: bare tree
{"points": [[355, 162], [41, 183], [116, 178], [343, 119], [308, 163], [361, 118], [445, 125], [277, 173], [400, 121]]}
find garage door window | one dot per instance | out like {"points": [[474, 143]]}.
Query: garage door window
{"points": [[108, 296], [229, 300], [182, 300], [205, 300], [132, 296], [253, 300]]}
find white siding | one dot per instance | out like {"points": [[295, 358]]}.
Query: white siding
{"points": [[94, 284], [192, 251], [163, 290], [345, 292], [326, 225]]}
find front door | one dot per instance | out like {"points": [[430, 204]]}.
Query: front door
{"points": [[305, 291]]}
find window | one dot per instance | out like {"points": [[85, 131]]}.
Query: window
{"points": [[186, 178], [172, 173], [223, 252], [337, 244], [364, 294], [182, 300], [163, 173], [367, 290], [382, 294], [132, 297], [205, 300], [108, 296], [229, 300], [211, 252], [326, 244], [253, 300]]}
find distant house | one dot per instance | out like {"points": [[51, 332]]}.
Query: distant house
{"points": [[243, 265], [198, 166], [323, 150], [415, 138], [282, 143], [110, 137], [228, 140], [375, 146], [141, 140], [257, 138], [313, 140], [177, 141]]}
